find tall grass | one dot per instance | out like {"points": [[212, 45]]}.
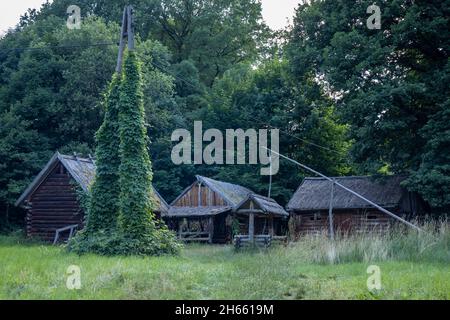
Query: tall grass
{"points": [[415, 266], [398, 243]]}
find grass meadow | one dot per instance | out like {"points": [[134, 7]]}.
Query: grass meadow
{"points": [[413, 266]]}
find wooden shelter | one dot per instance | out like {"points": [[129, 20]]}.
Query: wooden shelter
{"points": [[52, 201], [265, 216], [310, 205], [211, 210]]}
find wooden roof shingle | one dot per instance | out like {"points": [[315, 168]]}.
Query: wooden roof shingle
{"points": [[232, 193], [266, 205]]}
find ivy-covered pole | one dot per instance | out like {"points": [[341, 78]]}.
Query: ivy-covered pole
{"points": [[104, 204], [120, 215], [136, 218]]}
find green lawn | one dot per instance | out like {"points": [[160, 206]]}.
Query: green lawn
{"points": [[31, 271]]}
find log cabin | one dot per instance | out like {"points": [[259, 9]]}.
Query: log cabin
{"points": [[309, 206], [52, 201], [213, 211]]}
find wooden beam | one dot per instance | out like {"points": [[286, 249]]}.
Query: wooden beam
{"points": [[271, 229], [122, 41], [211, 229], [250, 211], [251, 225], [130, 31]]}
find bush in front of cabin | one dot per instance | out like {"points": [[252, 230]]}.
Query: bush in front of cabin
{"points": [[112, 243]]}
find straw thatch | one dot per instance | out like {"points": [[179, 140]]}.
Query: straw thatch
{"points": [[314, 193]]}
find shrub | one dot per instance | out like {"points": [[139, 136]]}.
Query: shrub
{"points": [[113, 242]]}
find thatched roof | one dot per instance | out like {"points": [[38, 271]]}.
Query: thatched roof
{"points": [[233, 194], [266, 205], [183, 212], [81, 170], [314, 193]]}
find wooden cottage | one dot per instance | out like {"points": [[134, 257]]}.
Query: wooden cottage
{"points": [[211, 210], [309, 206], [51, 200]]}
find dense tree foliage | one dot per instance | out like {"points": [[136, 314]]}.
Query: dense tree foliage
{"points": [[213, 35], [267, 98], [390, 85]]}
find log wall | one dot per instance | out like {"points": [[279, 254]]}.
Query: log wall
{"points": [[351, 221], [54, 205]]}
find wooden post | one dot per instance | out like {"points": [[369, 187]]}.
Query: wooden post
{"points": [[130, 31], [180, 228], [271, 231], [251, 225], [330, 212], [211, 229], [126, 32], [270, 176], [123, 31]]}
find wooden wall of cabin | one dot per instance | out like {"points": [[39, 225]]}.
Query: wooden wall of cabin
{"points": [[54, 205], [207, 198], [347, 221]]}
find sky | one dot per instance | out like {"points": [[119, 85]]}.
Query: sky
{"points": [[275, 12]]}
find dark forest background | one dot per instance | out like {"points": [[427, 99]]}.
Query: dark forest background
{"points": [[347, 100]]}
